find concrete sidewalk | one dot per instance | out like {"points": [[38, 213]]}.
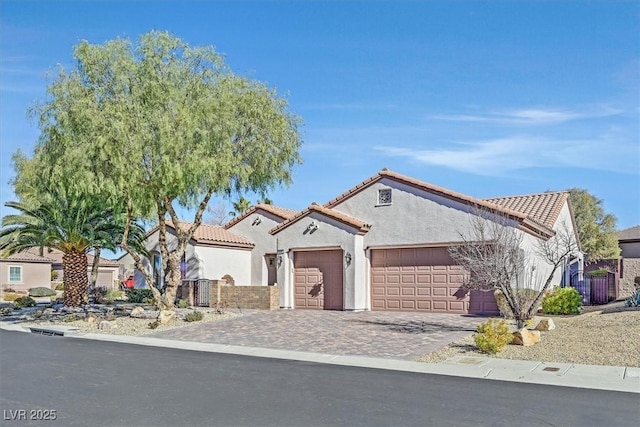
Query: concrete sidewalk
{"points": [[614, 378]]}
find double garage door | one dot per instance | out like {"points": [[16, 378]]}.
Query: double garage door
{"points": [[405, 279], [423, 279]]}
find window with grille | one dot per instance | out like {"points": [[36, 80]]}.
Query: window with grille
{"points": [[15, 273], [384, 196]]}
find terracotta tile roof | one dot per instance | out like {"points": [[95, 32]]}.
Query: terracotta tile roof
{"points": [[282, 213], [527, 223], [629, 234], [361, 226], [27, 256], [213, 234], [543, 208], [56, 256]]}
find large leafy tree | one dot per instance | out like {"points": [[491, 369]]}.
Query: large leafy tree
{"points": [[596, 228], [72, 224], [159, 124]]}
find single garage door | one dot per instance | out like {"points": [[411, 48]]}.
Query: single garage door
{"points": [[423, 279], [318, 280]]}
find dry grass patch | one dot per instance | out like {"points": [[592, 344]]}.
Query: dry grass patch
{"points": [[595, 338]]}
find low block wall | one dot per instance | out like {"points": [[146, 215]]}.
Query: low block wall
{"points": [[247, 297]]}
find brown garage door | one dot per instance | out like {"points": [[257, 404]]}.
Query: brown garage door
{"points": [[423, 279], [318, 280]]}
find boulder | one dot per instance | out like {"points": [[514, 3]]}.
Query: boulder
{"points": [[106, 325], [545, 325], [136, 312], [166, 316], [91, 319], [525, 337]]}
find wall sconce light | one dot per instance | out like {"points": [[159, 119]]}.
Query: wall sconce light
{"points": [[256, 221], [312, 227], [279, 260], [347, 259]]}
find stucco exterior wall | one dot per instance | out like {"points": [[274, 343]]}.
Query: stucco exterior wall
{"points": [[630, 250], [215, 262], [330, 234], [265, 243], [33, 275], [415, 217], [630, 270]]}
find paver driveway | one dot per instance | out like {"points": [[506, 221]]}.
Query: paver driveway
{"points": [[373, 334]]}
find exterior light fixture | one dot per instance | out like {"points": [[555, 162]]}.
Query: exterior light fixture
{"points": [[347, 259]]}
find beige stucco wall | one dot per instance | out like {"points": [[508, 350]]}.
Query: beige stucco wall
{"points": [[215, 262], [630, 270], [330, 234], [33, 275], [265, 243]]}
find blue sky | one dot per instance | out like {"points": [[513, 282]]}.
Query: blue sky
{"points": [[488, 99]]}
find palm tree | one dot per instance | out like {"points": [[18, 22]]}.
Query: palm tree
{"points": [[240, 206], [70, 224]]}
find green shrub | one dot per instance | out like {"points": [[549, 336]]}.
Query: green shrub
{"points": [[562, 301], [633, 300], [21, 302], [71, 318], [41, 292], [194, 316], [99, 293], [493, 336], [112, 295], [60, 287], [598, 272], [139, 296], [183, 303]]}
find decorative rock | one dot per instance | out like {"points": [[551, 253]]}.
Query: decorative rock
{"points": [[47, 311], [545, 325], [136, 311], [525, 337], [91, 319], [106, 325], [166, 316]]}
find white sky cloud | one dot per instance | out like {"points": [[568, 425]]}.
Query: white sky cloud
{"points": [[497, 157], [529, 116]]}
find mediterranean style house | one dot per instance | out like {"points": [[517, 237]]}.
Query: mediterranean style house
{"points": [[380, 245]]}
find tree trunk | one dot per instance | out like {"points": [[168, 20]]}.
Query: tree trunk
{"points": [[74, 270], [94, 269]]}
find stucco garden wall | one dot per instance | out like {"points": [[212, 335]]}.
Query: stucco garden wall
{"points": [[630, 270]]}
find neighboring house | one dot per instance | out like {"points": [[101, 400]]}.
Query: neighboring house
{"points": [[629, 242], [25, 270], [212, 253], [108, 271], [383, 245]]}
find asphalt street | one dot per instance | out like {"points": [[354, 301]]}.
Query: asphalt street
{"points": [[92, 383]]}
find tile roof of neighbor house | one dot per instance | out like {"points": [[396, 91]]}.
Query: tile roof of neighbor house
{"points": [[56, 256], [630, 234], [529, 223], [360, 225], [213, 234], [27, 256], [544, 207], [282, 213]]}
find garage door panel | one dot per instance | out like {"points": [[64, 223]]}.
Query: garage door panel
{"points": [[423, 279], [318, 280]]}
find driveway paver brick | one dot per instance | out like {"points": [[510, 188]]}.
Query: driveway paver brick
{"points": [[392, 335]]}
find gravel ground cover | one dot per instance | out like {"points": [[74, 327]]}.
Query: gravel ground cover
{"points": [[609, 336]]}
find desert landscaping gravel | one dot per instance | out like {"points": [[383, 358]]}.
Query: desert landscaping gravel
{"points": [[593, 338]]}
